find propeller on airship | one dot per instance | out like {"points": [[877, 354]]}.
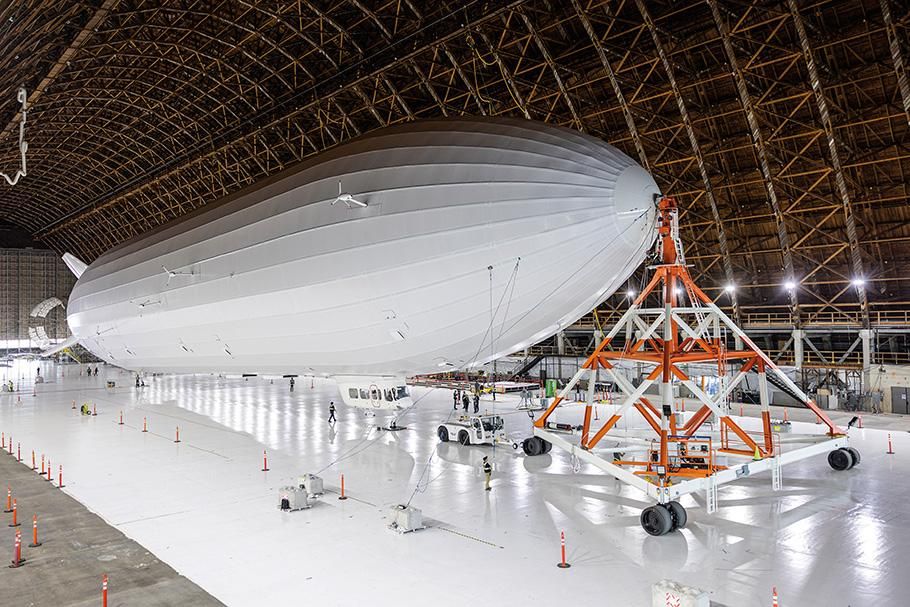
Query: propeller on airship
{"points": [[172, 273], [347, 199]]}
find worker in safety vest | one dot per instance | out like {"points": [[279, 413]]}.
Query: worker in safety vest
{"points": [[487, 473]]}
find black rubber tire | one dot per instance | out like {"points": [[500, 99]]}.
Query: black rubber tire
{"points": [[531, 446], [850, 453], [855, 454], [443, 433], [678, 513], [840, 459], [463, 437], [656, 520], [547, 445]]}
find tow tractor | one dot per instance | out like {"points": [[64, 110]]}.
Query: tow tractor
{"points": [[475, 430]]}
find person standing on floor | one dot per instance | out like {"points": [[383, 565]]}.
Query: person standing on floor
{"points": [[292, 384], [465, 400], [455, 399], [332, 419], [487, 473], [476, 402]]}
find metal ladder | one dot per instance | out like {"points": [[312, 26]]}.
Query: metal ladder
{"points": [[712, 494], [775, 473], [776, 480]]}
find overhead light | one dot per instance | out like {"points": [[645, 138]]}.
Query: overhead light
{"points": [[858, 282], [730, 288], [789, 285], [630, 293], [678, 291]]}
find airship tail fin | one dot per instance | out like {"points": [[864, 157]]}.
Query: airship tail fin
{"points": [[76, 265], [63, 345]]}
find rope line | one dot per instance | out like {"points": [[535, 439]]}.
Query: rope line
{"points": [[21, 97]]}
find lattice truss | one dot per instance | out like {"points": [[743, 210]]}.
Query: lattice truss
{"points": [[671, 325], [781, 127]]}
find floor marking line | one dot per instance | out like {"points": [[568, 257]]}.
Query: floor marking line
{"points": [[351, 497], [182, 442], [151, 518], [470, 537]]}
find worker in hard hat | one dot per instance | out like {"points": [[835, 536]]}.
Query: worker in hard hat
{"points": [[487, 473]]}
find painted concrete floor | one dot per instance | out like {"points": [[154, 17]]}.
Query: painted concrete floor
{"points": [[77, 549], [203, 506]]}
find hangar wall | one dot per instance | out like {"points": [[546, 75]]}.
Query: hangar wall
{"points": [[27, 277]]}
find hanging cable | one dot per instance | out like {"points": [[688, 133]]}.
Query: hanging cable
{"points": [[568, 278], [21, 97], [489, 331], [492, 339]]}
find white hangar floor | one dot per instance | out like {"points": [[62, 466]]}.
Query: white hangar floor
{"points": [[204, 506]]}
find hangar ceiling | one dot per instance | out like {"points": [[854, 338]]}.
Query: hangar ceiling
{"points": [[782, 127]]}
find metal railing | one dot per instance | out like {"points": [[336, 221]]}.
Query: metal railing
{"points": [[829, 359], [754, 320]]}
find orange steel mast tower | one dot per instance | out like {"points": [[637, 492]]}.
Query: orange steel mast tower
{"points": [[681, 457]]}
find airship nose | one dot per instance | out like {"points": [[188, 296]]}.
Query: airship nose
{"points": [[634, 203]]}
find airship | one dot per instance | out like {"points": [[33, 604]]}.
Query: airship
{"points": [[418, 248]]}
